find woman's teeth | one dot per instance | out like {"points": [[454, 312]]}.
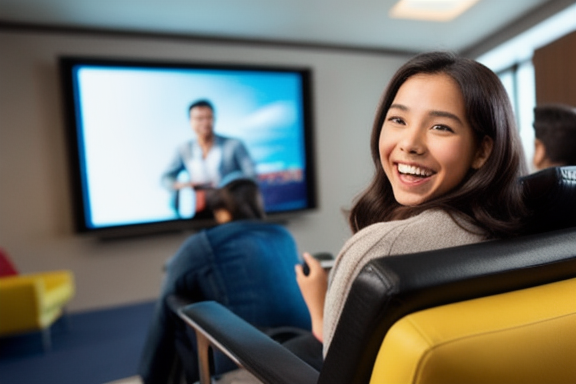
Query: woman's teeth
{"points": [[413, 170]]}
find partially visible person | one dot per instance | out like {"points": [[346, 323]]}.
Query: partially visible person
{"points": [[244, 263], [447, 160], [208, 158], [555, 136]]}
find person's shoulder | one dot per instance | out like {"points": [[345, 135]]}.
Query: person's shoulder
{"points": [[430, 224], [431, 216], [431, 229], [260, 225], [433, 221], [379, 235], [187, 146], [222, 139], [197, 237], [248, 228], [428, 217], [247, 225], [439, 218], [275, 228], [435, 229], [425, 217], [228, 141], [221, 232]]}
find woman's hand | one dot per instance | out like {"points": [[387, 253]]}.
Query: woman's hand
{"points": [[313, 288]]}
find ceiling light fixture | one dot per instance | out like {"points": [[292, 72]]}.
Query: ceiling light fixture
{"points": [[431, 10]]}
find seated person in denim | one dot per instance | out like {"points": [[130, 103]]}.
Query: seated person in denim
{"points": [[245, 263]]}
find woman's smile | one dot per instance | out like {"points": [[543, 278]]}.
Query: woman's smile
{"points": [[414, 170], [413, 175]]}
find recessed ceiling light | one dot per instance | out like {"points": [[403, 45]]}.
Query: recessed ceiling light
{"points": [[432, 10]]}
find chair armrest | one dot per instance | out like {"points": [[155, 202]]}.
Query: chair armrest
{"points": [[250, 348], [20, 303], [20, 291], [58, 289], [53, 279]]}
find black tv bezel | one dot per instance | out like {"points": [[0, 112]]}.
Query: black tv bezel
{"points": [[65, 66]]}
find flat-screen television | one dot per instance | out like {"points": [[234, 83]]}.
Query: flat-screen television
{"points": [[129, 122]]}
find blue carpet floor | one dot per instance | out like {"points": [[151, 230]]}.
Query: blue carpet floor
{"points": [[88, 348]]}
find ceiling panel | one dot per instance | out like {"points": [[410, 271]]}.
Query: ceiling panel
{"points": [[358, 23]]}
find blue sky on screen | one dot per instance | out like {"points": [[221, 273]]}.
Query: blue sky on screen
{"points": [[133, 120]]}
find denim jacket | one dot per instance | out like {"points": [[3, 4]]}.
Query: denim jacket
{"points": [[246, 265]]}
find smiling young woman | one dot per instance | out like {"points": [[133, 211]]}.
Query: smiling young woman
{"points": [[488, 196], [447, 158]]}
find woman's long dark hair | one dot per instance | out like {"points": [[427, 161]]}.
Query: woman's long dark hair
{"points": [[489, 197], [241, 197]]}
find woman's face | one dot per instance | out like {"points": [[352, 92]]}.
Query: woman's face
{"points": [[426, 143]]}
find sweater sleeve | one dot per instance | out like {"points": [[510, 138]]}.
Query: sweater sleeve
{"points": [[372, 242], [427, 231]]}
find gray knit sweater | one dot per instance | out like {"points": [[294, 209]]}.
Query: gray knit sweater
{"points": [[433, 229]]}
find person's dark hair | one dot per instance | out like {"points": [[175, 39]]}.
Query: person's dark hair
{"points": [[555, 127], [490, 197], [201, 103], [241, 197]]}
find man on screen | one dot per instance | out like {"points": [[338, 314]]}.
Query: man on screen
{"points": [[207, 159]]}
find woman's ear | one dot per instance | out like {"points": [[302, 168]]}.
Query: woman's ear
{"points": [[483, 152], [539, 158]]}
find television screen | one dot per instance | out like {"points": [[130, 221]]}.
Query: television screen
{"points": [[140, 155]]}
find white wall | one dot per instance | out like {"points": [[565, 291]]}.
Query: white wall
{"points": [[35, 208]]}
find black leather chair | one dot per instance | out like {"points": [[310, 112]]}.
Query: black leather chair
{"points": [[392, 290]]}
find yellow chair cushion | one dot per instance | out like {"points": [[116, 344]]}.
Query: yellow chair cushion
{"points": [[33, 301], [526, 336]]}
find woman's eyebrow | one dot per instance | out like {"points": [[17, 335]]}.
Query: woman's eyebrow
{"points": [[446, 114], [399, 106]]}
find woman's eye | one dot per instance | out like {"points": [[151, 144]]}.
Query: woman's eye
{"points": [[442, 128], [396, 120]]}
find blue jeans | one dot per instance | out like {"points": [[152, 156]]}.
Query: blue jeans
{"points": [[248, 266]]}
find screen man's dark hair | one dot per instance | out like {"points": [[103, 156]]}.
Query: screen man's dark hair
{"points": [[201, 103]]}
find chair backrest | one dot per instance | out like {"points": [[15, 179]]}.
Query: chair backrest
{"points": [[551, 194], [520, 337], [389, 288]]}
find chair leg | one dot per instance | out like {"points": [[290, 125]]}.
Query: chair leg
{"points": [[47, 339], [65, 319], [203, 346], [177, 372]]}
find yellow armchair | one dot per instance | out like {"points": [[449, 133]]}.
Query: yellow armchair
{"points": [[33, 302]]}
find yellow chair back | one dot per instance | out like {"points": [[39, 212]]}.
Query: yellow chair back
{"points": [[526, 336]]}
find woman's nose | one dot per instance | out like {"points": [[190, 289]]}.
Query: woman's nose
{"points": [[413, 141]]}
